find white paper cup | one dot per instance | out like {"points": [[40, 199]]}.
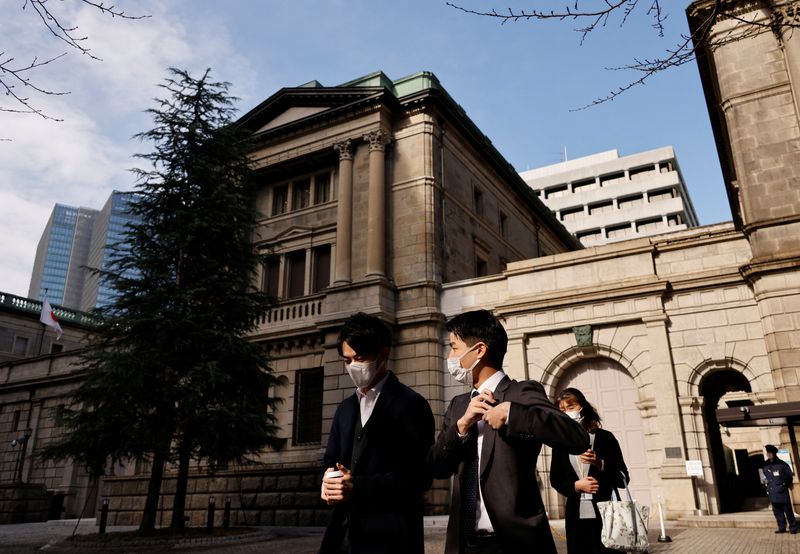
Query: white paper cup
{"points": [[335, 474]]}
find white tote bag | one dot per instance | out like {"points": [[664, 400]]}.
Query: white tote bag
{"points": [[624, 523]]}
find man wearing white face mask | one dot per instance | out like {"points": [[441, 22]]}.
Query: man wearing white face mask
{"points": [[377, 445], [490, 439]]}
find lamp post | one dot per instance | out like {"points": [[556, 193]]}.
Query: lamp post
{"points": [[22, 442]]}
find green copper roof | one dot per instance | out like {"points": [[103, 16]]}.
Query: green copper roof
{"points": [[404, 86]]}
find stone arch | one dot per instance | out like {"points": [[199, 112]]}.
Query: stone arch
{"points": [[709, 382], [705, 368], [566, 359]]}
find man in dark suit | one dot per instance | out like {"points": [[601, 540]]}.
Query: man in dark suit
{"points": [[491, 438], [378, 442]]}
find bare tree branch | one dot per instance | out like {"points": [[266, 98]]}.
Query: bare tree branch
{"points": [[683, 52], [16, 79]]}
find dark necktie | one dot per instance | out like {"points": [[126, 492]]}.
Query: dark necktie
{"points": [[469, 493]]}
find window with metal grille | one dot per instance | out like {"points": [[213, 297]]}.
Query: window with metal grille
{"points": [[308, 386]]}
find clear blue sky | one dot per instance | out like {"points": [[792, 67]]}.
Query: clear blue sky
{"points": [[518, 82]]}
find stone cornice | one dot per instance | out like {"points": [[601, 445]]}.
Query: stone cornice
{"points": [[550, 300]]}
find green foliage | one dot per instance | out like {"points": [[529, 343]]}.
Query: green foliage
{"points": [[171, 363]]}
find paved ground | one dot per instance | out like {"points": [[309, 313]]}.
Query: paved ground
{"points": [[47, 537]]}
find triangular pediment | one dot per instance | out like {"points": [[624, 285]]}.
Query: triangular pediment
{"points": [[291, 106], [293, 232], [290, 115]]}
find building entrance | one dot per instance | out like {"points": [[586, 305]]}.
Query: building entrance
{"points": [[735, 472], [610, 389]]}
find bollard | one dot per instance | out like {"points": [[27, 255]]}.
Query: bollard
{"points": [[103, 516], [226, 515], [211, 506], [663, 537]]}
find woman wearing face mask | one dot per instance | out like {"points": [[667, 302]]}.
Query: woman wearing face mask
{"points": [[588, 478]]}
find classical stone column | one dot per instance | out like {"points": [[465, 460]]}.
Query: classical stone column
{"points": [[344, 214], [376, 222]]}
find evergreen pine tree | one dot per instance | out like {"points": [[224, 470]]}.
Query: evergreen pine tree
{"points": [[171, 375]]}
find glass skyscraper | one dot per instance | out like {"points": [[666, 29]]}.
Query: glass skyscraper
{"points": [[59, 269], [74, 240]]}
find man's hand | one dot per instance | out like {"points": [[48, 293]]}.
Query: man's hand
{"points": [[337, 489], [478, 406], [497, 416], [587, 484], [590, 457]]}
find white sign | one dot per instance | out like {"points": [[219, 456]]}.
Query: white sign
{"points": [[694, 468]]}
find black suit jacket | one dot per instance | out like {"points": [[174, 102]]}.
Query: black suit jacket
{"points": [[389, 475], [563, 475], [508, 465]]}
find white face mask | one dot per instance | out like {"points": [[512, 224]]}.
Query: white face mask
{"points": [[462, 374], [575, 415], [362, 373]]}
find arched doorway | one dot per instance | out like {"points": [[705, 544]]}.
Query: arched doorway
{"points": [[733, 474], [611, 390]]}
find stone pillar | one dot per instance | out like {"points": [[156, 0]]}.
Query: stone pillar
{"points": [[344, 214], [786, 18], [376, 223]]}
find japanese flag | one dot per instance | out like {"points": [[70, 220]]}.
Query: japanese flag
{"points": [[49, 318]]}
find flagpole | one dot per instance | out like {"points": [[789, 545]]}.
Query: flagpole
{"points": [[44, 327]]}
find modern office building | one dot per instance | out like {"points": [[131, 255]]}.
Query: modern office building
{"points": [[59, 269], [606, 198], [109, 230], [74, 240]]}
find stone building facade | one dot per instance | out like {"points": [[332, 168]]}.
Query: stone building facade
{"points": [[382, 196], [35, 385]]}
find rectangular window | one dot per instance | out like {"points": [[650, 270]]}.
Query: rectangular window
{"points": [[612, 178], [584, 186], [481, 267], [477, 202], [280, 200], [556, 191], [503, 225], [20, 346], [308, 386], [571, 214], [649, 225], [301, 193], [619, 231], [657, 196], [674, 220], [601, 207], [271, 273], [295, 274], [15, 420], [642, 172], [322, 188], [630, 201], [322, 268], [56, 348]]}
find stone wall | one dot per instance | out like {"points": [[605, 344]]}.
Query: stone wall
{"points": [[268, 497]]}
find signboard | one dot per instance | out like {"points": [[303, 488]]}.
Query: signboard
{"points": [[783, 454], [694, 468]]}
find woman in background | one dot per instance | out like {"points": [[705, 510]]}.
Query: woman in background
{"points": [[588, 478]]}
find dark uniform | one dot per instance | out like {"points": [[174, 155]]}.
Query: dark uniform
{"points": [[778, 479]]}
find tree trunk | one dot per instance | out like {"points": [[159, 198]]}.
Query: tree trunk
{"points": [[148, 524], [179, 502]]}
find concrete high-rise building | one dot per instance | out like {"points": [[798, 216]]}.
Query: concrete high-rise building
{"points": [[606, 198], [59, 269], [74, 240]]}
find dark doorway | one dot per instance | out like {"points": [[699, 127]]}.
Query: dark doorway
{"points": [[730, 489]]}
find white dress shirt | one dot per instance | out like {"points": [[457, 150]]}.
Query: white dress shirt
{"points": [[367, 401], [482, 521]]}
